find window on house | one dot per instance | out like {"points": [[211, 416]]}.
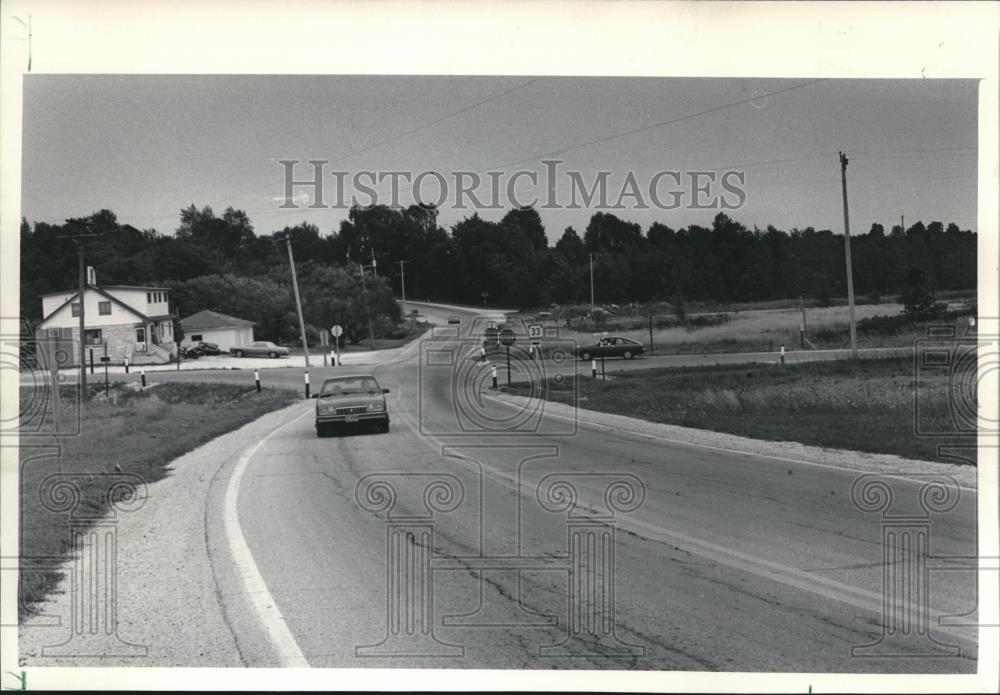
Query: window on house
{"points": [[196, 338], [104, 308], [149, 297], [74, 309], [93, 336], [65, 333]]}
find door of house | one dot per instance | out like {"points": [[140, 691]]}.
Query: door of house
{"points": [[140, 338]]}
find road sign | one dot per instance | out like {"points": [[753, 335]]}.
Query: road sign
{"points": [[535, 330], [536, 343], [507, 337], [105, 359], [337, 331]]}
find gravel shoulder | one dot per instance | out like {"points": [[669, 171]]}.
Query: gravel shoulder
{"points": [[175, 594], [863, 462]]}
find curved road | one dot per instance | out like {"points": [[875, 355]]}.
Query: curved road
{"points": [[477, 534]]}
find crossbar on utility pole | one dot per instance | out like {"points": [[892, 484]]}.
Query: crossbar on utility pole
{"points": [[847, 255], [287, 238]]}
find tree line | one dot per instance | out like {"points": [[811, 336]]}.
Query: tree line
{"points": [[222, 263]]}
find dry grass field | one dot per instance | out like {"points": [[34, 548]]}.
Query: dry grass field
{"points": [[754, 330], [865, 405]]}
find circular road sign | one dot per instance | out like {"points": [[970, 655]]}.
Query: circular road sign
{"points": [[507, 337], [337, 331]]}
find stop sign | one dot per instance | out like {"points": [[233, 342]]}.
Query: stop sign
{"points": [[507, 337]]}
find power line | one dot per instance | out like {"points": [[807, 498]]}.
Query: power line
{"points": [[438, 120], [869, 178], [661, 124]]}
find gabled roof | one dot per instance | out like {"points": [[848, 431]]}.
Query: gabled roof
{"points": [[207, 318], [101, 292], [144, 288]]}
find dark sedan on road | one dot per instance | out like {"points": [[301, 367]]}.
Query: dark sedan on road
{"points": [[613, 346], [260, 348], [347, 400]]}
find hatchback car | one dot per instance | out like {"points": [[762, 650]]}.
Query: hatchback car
{"points": [[348, 400], [612, 347]]}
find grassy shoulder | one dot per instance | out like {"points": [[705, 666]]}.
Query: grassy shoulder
{"points": [[867, 405], [137, 432], [763, 327]]}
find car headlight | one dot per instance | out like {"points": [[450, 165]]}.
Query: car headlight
{"points": [[375, 407], [327, 409]]}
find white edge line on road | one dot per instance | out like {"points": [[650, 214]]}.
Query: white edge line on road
{"points": [[256, 590], [699, 445]]}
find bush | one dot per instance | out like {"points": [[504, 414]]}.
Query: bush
{"points": [[917, 293]]}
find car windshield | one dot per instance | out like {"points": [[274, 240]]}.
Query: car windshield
{"points": [[350, 385]]}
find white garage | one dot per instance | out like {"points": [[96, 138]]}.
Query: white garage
{"points": [[213, 327]]}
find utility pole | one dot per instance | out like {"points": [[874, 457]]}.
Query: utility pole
{"points": [[847, 253], [287, 238], [402, 289], [368, 311], [80, 240], [402, 279], [591, 282]]}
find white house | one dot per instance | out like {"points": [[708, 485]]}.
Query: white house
{"points": [[126, 321], [213, 327]]}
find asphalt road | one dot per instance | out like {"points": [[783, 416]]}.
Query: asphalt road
{"points": [[477, 534]]}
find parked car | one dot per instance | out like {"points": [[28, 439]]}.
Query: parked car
{"points": [[204, 348], [188, 353], [454, 319], [346, 400], [260, 348], [612, 346]]}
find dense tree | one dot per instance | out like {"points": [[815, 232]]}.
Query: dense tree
{"points": [[223, 263]]}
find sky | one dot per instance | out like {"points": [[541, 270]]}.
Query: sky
{"points": [[145, 146]]}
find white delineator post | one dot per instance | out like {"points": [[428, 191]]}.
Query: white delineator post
{"points": [[142, 376], [593, 368], [493, 374], [256, 378], [305, 376], [782, 354]]}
